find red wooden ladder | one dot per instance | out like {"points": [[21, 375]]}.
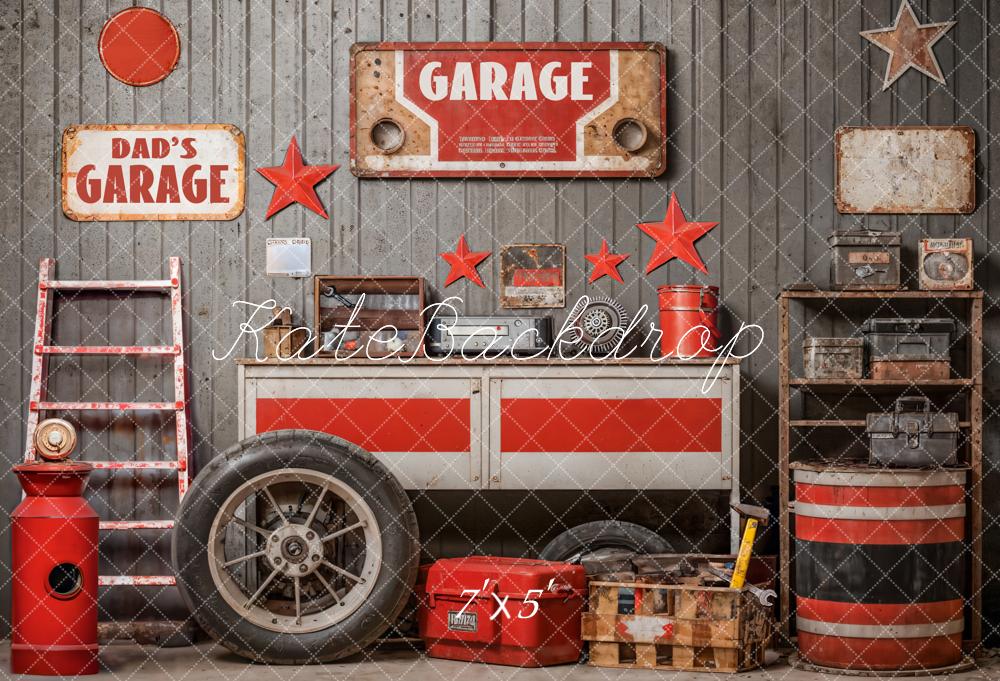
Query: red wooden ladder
{"points": [[39, 371]]}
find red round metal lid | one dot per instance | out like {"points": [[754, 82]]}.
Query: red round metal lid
{"points": [[139, 46], [56, 467]]}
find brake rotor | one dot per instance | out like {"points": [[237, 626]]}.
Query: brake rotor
{"points": [[54, 439], [601, 325]]}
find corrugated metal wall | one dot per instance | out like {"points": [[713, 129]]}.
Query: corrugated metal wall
{"points": [[755, 93]]}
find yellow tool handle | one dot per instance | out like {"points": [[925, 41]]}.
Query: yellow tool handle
{"points": [[743, 558]]}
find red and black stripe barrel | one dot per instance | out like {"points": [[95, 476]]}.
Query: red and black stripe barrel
{"points": [[879, 566]]}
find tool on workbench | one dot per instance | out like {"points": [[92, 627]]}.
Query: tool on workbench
{"points": [[754, 515], [765, 596]]}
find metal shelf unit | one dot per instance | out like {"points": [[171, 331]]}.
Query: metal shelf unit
{"points": [[971, 386]]}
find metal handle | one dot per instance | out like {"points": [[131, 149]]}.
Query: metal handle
{"points": [[922, 402]]}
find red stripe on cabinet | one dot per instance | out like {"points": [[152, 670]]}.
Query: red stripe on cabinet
{"points": [[611, 425], [375, 424]]}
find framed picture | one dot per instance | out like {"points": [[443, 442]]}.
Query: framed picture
{"points": [[533, 276]]}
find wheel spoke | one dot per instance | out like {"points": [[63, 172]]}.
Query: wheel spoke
{"points": [[342, 571], [329, 587], [260, 590], [234, 561], [274, 504], [312, 513], [298, 601], [250, 526], [342, 532]]}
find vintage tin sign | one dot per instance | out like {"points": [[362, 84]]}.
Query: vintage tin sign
{"points": [[908, 169], [508, 109], [532, 275], [153, 172]]}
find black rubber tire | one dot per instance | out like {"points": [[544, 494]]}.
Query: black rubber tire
{"points": [[603, 534], [315, 451]]}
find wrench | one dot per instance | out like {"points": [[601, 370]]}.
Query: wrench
{"points": [[765, 596]]}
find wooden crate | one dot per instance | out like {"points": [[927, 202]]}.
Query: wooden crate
{"points": [[373, 318], [676, 627]]}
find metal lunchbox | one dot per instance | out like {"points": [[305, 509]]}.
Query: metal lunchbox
{"points": [[833, 357], [911, 436], [510, 611], [865, 260], [915, 338]]}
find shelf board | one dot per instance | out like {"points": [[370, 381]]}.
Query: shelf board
{"points": [[880, 295], [841, 423], [874, 385]]}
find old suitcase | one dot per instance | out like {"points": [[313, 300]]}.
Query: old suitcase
{"points": [[833, 357], [864, 260], [510, 611], [946, 264], [904, 368], [911, 436], [892, 338]]}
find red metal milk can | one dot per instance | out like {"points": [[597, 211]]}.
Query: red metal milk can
{"points": [[54, 564], [689, 320]]}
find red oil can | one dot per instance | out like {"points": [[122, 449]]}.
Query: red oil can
{"points": [[689, 321], [510, 611], [54, 565]]}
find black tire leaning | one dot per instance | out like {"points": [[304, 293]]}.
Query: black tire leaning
{"points": [[603, 534], [315, 451]]}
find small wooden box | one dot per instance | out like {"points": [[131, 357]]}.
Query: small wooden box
{"points": [[283, 341], [676, 627]]}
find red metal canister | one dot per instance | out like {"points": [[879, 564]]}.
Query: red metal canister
{"points": [[688, 320], [511, 611], [54, 564]]}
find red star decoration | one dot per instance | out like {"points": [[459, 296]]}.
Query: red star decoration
{"points": [[606, 263], [675, 237], [463, 263], [910, 45], [294, 182]]}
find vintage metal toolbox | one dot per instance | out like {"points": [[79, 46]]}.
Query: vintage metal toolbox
{"points": [[865, 260], [511, 611], [491, 334], [892, 338], [911, 436], [833, 357], [946, 264]]}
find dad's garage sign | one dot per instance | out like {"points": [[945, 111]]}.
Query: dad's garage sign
{"points": [[508, 109], [153, 172]]}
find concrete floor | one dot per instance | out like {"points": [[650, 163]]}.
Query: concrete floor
{"points": [[210, 662]]}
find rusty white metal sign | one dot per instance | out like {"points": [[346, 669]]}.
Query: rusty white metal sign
{"points": [[153, 172], [291, 257], [906, 169], [508, 109], [533, 276]]}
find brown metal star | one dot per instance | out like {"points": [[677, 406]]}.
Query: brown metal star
{"points": [[910, 45]]}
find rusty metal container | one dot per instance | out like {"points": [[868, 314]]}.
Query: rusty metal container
{"points": [[913, 338], [946, 264], [910, 369], [913, 436], [833, 357], [865, 260]]}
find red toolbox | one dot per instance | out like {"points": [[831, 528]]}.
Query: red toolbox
{"points": [[512, 611]]}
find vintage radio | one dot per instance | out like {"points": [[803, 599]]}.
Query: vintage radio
{"points": [[945, 264], [912, 436], [865, 260], [493, 334]]}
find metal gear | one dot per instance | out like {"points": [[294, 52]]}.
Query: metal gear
{"points": [[601, 325]]}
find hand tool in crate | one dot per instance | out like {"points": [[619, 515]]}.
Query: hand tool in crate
{"points": [[833, 358], [909, 348], [510, 611], [865, 260], [912, 436]]}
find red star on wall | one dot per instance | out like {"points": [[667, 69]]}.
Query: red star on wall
{"points": [[909, 44], [463, 263], [294, 182], [675, 237], [606, 263]]}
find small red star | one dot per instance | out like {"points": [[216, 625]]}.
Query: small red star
{"points": [[606, 263], [463, 263], [294, 182], [675, 237]]}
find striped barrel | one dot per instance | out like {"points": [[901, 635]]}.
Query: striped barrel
{"points": [[879, 566]]}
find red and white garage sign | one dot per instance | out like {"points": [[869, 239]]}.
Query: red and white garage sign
{"points": [[502, 109], [153, 172]]}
